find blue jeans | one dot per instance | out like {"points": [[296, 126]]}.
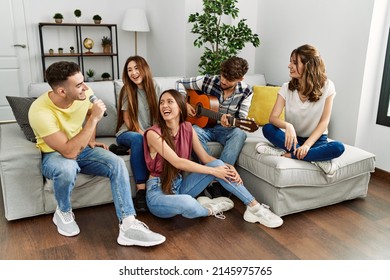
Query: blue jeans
{"points": [[182, 201], [134, 141], [322, 150], [96, 161], [231, 138]]}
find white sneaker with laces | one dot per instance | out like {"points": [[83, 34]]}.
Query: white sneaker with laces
{"points": [[261, 213], [326, 166], [216, 205], [65, 222], [138, 234], [265, 149]]}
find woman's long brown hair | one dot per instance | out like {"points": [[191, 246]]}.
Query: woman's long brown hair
{"points": [[169, 171], [313, 76], [130, 89]]}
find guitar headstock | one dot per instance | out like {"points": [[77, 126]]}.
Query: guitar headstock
{"points": [[246, 124]]}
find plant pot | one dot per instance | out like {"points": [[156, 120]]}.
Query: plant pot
{"points": [[106, 79], [90, 79], [97, 21], [58, 20], [107, 49], [78, 19]]}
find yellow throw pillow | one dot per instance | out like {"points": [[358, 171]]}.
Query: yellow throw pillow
{"points": [[263, 100]]}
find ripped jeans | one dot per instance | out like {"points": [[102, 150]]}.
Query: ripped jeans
{"points": [[185, 189]]}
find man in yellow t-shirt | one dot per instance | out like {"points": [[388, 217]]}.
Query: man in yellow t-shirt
{"points": [[69, 147]]}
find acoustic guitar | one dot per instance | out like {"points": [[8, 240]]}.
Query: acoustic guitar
{"points": [[207, 106]]}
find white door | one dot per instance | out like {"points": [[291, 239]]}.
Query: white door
{"points": [[14, 55]]}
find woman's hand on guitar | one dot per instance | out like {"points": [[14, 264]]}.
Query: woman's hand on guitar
{"points": [[190, 110]]}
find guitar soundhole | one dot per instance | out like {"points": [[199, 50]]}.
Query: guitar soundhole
{"points": [[198, 110]]}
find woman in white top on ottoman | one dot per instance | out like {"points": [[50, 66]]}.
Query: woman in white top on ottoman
{"points": [[307, 99]]}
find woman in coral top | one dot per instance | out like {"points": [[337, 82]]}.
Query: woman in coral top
{"points": [[168, 146]]}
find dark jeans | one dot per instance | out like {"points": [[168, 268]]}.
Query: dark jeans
{"points": [[322, 149]]}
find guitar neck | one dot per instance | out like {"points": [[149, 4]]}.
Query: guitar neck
{"points": [[214, 115]]}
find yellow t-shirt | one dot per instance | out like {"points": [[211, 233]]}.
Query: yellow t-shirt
{"points": [[46, 118]]}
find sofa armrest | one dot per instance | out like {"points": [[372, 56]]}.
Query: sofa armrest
{"points": [[20, 171]]}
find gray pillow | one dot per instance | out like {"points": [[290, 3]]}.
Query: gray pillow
{"points": [[106, 127], [20, 107]]}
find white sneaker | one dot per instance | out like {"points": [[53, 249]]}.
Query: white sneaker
{"points": [[139, 234], [326, 166], [65, 222], [265, 149], [216, 205], [263, 215]]}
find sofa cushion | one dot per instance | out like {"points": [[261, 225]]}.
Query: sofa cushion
{"points": [[263, 101], [107, 125], [37, 89], [104, 90], [20, 107]]}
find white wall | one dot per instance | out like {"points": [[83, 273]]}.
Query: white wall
{"points": [[339, 28], [332, 27], [166, 41], [370, 136], [192, 53]]}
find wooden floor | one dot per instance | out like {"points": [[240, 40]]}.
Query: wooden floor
{"points": [[353, 230]]}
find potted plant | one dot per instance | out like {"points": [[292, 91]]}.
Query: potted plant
{"points": [[58, 17], [106, 44], [60, 50], [221, 40], [97, 19], [90, 73], [51, 51], [71, 49], [106, 76], [77, 14]]}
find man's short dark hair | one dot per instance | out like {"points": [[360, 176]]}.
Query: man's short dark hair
{"points": [[234, 68], [59, 72]]}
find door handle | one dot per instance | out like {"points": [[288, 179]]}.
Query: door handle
{"points": [[20, 45]]}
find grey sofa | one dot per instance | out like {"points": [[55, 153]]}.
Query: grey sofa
{"points": [[288, 186]]}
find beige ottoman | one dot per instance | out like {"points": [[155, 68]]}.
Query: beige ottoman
{"points": [[289, 186]]}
